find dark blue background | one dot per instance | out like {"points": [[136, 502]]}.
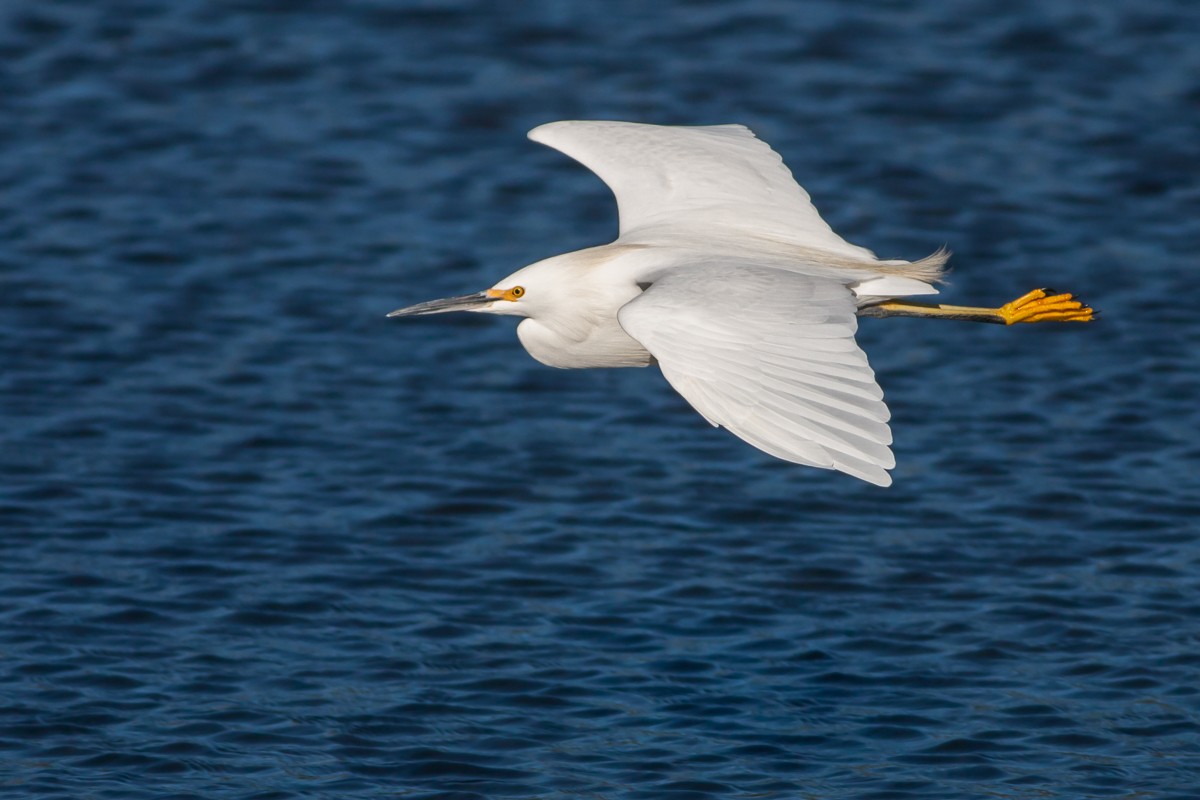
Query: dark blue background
{"points": [[259, 541]]}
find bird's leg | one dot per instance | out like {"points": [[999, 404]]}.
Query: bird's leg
{"points": [[1040, 305]]}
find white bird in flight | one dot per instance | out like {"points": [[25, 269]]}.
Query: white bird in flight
{"points": [[725, 275]]}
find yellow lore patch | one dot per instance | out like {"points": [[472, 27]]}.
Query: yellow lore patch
{"points": [[513, 294]]}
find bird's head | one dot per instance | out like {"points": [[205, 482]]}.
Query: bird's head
{"points": [[521, 294]]}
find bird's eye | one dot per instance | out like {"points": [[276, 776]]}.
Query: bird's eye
{"points": [[516, 291]]}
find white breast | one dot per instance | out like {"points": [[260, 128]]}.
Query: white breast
{"points": [[604, 345]]}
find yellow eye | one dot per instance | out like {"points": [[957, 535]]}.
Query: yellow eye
{"points": [[516, 291]]}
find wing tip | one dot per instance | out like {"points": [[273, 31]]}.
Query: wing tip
{"points": [[542, 132], [882, 479], [872, 468], [538, 134]]}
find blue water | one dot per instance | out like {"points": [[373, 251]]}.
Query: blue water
{"points": [[260, 542]]}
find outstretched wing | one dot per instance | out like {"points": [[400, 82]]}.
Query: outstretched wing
{"points": [[770, 355], [695, 179]]}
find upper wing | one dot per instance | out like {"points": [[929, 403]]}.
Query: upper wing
{"points": [[695, 178], [771, 356]]}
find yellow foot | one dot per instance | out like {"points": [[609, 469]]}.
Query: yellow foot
{"points": [[1040, 306]]}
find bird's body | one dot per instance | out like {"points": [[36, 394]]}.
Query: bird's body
{"points": [[725, 275]]}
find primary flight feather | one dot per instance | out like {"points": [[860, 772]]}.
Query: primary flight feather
{"points": [[725, 275]]}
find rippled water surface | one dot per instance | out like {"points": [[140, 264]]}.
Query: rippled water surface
{"points": [[259, 541]]}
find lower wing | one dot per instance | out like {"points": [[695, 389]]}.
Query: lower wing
{"points": [[770, 355]]}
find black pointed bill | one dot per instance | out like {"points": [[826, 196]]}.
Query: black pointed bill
{"points": [[468, 302]]}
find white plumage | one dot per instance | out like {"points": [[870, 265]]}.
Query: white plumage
{"points": [[727, 277], [677, 180], [769, 355]]}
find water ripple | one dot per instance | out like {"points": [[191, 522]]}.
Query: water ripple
{"points": [[259, 542]]}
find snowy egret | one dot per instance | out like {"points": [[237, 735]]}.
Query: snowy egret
{"points": [[724, 274]]}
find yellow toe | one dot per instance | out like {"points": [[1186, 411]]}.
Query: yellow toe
{"points": [[1040, 306]]}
